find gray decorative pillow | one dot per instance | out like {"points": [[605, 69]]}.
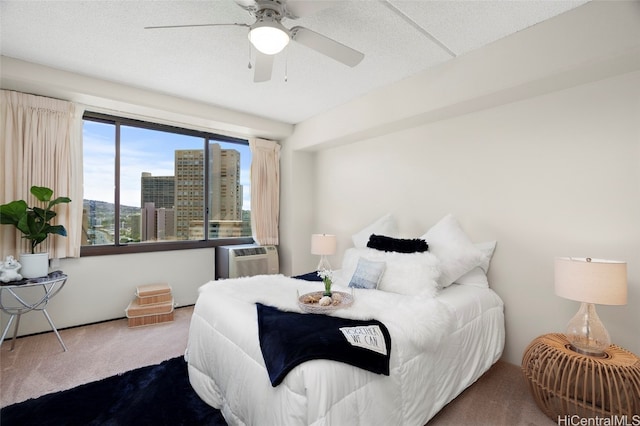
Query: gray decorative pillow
{"points": [[368, 274]]}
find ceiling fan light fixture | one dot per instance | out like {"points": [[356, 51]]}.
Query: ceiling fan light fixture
{"points": [[269, 36]]}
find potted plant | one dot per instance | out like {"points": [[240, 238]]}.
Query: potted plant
{"points": [[327, 280], [35, 225]]}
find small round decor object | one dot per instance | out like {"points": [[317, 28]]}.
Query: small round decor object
{"points": [[325, 301], [566, 383], [310, 302]]}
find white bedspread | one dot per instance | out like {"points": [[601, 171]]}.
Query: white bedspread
{"points": [[438, 347]]}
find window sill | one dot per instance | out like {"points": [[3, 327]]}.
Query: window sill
{"points": [[86, 251]]}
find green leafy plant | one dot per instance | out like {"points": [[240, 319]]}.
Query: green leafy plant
{"points": [[34, 222], [327, 280]]}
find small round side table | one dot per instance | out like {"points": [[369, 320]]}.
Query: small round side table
{"points": [[15, 301], [564, 382]]}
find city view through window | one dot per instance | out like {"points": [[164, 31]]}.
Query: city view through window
{"points": [[168, 182]]}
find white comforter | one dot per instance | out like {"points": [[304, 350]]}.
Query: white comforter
{"points": [[227, 370]]}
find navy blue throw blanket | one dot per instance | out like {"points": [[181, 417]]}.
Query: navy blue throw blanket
{"points": [[289, 338]]}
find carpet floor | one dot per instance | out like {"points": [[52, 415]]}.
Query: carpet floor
{"points": [[38, 367]]}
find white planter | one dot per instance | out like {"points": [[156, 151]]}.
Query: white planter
{"points": [[34, 265]]}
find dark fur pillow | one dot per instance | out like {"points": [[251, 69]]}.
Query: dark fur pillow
{"points": [[382, 242]]}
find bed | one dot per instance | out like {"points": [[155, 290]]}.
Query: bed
{"points": [[227, 369], [443, 337]]}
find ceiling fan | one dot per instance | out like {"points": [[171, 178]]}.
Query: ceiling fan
{"points": [[269, 36]]}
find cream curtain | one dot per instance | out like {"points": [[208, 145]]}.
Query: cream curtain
{"points": [[41, 145], [265, 190]]}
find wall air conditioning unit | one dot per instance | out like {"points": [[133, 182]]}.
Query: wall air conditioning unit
{"points": [[246, 260]]}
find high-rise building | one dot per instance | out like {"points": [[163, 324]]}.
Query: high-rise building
{"points": [[165, 224], [157, 224], [189, 178], [157, 199], [230, 200], [159, 190], [148, 222], [225, 194]]}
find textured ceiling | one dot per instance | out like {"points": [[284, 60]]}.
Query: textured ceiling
{"points": [[107, 40]]}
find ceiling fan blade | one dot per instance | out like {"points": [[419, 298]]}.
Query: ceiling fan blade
{"points": [[264, 66], [327, 46], [194, 25]]}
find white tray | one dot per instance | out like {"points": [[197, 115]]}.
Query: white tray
{"points": [[345, 300]]}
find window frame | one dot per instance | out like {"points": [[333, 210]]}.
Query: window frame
{"points": [[122, 248]]}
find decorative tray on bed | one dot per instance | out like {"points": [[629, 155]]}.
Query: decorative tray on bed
{"points": [[309, 302]]}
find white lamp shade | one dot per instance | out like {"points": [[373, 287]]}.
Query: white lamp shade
{"points": [[598, 281], [269, 37], [323, 244]]}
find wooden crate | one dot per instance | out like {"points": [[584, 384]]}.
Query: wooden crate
{"points": [[151, 294], [139, 315]]}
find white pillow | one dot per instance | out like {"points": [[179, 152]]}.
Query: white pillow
{"points": [[475, 277], [478, 276], [406, 273], [386, 225], [487, 248], [457, 254]]}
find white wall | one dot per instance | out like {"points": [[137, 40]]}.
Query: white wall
{"points": [[117, 99], [100, 287], [539, 152], [556, 175]]}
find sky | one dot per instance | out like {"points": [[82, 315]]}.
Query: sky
{"points": [[141, 150]]}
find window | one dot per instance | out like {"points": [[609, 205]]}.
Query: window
{"points": [[153, 187]]}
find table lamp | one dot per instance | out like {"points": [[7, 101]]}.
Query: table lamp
{"points": [[590, 281], [323, 245]]}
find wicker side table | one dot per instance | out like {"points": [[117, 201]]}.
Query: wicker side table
{"points": [[564, 382]]}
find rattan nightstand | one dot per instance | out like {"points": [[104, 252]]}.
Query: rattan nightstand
{"points": [[564, 382]]}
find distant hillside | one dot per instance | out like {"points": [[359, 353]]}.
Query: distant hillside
{"points": [[105, 207]]}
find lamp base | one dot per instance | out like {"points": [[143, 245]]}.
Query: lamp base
{"points": [[587, 353], [323, 265], [586, 333]]}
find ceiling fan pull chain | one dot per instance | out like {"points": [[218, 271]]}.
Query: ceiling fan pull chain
{"points": [[249, 66], [286, 65]]}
